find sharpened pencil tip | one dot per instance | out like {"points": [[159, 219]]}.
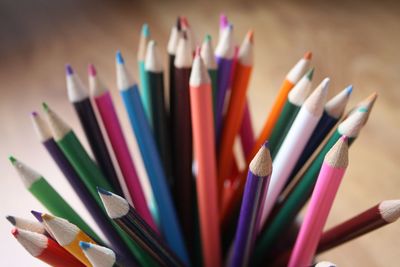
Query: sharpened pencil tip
{"points": [[85, 245], [145, 30], [12, 159], [11, 219], [14, 231], [103, 191], [344, 138], [310, 74], [184, 22], [178, 23], [47, 217], [223, 20], [120, 59], [45, 106], [207, 38], [308, 55], [250, 36], [197, 52], [34, 114], [68, 69], [363, 109], [37, 215], [92, 70], [349, 89], [266, 144]]}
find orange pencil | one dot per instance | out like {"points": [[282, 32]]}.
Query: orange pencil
{"points": [[291, 79], [236, 107], [204, 143]]}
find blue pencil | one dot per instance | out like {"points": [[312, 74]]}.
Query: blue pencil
{"points": [[168, 219]]}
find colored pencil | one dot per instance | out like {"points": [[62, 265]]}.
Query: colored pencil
{"points": [[181, 145], [25, 224], [191, 38], [223, 23], [171, 50], [79, 96], [45, 249], [105, 106], [333, 111], [88, 171], [291, 79], [246, 131], [367, 103], [384, 213], [154, 72], [68, 236], [298, 196], [168, 220], [328, 182], [224, 53], [294, 143], [295, 100], [236, 106], [48, 196], [207, 54], [99, 256], [250, 213], [204, 145], [77, 184], [144, 79], [126, 216]]}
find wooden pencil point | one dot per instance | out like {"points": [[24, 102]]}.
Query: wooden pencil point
{"points": [[390, 210], [338, 155], [261, 165]]}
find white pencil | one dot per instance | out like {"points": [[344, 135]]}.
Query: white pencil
{"points": [[294, 143]]}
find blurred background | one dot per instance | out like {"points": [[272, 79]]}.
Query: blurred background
{"points": [[354, 42]]}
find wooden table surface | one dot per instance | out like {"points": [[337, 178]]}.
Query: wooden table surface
{"points": [[353, 43]]}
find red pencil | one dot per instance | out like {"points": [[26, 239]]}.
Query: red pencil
{"points": [[45, 249]]}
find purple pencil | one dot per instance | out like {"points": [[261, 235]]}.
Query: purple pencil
{"points": [[108, 114], [258, 177], [73, 178], [246, 131], [224, 54]]}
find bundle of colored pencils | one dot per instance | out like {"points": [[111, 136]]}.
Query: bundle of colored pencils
{"points": [[203, 209]]}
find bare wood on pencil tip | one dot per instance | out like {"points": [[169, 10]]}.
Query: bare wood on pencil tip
{"points": [[25, 224], [353, 124], [62, 230], [144, 37], [183, 57], [316, 101], [96, 85], [390, 210], [115, 205], [152, 60], [207, 53], [301, 90], [225, 46], [75, 88], [98, 255], [40, 126], [57, 126], [261, 165], [33, 242], [337, 156], [26, 173], [199, 74], [124, 78], [246, 50], [336, 105]]}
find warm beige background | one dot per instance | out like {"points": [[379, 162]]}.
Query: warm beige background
{"points": [[355, 43]]}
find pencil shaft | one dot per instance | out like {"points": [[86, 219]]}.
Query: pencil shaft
{"points": [[182, 151], [168, 219], [159, 118], [57, 256], [207, 189], [246, 131], [113, 128], [145, 91], [96, 141], [214, 85]]}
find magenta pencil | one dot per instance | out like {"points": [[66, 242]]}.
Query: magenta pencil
{"points": [[330, 176], [246, 131], [113, 128]]}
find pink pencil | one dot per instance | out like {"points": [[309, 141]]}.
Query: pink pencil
{"points": [[246, 132], [113, 128], [330, 176]]}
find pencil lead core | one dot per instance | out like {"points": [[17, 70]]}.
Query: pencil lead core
{"points": [[68, 69], [120, 59]]}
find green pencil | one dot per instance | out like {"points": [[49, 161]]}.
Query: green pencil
{"points": [[48, 196], [295, 100], [301, 192], [89, 172]]}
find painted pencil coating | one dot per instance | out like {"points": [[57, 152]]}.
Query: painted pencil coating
{"points": [[324, 193]]}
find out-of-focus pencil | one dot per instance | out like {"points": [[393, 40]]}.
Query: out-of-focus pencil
{"points": [[25, 224]]}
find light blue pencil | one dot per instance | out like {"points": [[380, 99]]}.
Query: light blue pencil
{"points": [[168, 219]]}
